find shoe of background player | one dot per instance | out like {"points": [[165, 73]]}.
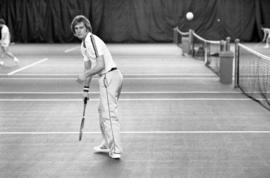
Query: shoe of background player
{"points": [[16, 60]]}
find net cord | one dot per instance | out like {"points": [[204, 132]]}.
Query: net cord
{"points": [[254, 52], [181, 33], [205, 40]]}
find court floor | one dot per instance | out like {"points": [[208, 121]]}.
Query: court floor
{"points": [[177, 119]]}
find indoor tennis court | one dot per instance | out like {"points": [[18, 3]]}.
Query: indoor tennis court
{"points": [[178, 121], [182, 115]]}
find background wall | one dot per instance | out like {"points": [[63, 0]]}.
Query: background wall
{"points": [[135, 20]]}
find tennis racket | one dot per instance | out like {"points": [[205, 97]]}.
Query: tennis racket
{"points": [[83, 118]]}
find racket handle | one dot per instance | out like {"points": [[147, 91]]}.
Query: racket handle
{"points": [[85, 100]]}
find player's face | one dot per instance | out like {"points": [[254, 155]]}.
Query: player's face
{"points": [[80, 30]]}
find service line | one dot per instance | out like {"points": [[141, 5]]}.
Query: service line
{"points": [[28, 66], [148, 132]]}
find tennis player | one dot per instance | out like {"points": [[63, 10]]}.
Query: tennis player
{"points": [[5, 42], [98, 61], [266, 36]]}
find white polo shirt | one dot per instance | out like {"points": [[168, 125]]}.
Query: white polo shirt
{"points": [[5, 39], [88, 52]]}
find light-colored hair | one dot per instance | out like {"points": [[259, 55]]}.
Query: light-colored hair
{"points": [[2, 21], [78, 19]]}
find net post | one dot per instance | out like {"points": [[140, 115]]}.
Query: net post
{"points": [[228, 40], [191, 42], [222, 45], [226, 65], [185, 45], [206, 53], [236, 63]]}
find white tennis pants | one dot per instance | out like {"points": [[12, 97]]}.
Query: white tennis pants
{"points": [[110, 85]]}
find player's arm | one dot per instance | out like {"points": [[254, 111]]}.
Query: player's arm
{"points": [[87, 80], [100, 65], [88, 74], [87, 66], [5, 33]]}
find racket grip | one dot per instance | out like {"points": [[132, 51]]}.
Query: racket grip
{"points": [[85, 100]]}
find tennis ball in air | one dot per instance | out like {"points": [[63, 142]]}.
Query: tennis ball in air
{"points": [[189, 15]]}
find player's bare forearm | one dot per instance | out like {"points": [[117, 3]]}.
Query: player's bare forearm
{"points": [[100, 65], [87, 81], [94, 71], [87, 66]]}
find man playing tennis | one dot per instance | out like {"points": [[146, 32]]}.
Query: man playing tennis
{"points": [[5, 42], [98, 61]]}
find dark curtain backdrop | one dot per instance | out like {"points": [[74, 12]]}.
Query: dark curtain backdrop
{"points": [[135, 20]]}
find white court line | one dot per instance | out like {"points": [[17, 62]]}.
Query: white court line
{"points": [[28, 66], [125, 78], [147, 132], [133, 92], [72, 49], [160, 74], [132, 99], [176, 75]]}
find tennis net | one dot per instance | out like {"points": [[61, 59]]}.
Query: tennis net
{"points": [[179, 35], [252, 74], [182, 40], [201, 48], [208, 51]]}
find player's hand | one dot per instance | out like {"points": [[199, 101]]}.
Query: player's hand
{"points": [[86, 95], [81, 78]]}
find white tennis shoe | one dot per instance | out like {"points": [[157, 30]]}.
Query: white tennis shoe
{"points": [[115, 155], [101, 149], [16, 60]]}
